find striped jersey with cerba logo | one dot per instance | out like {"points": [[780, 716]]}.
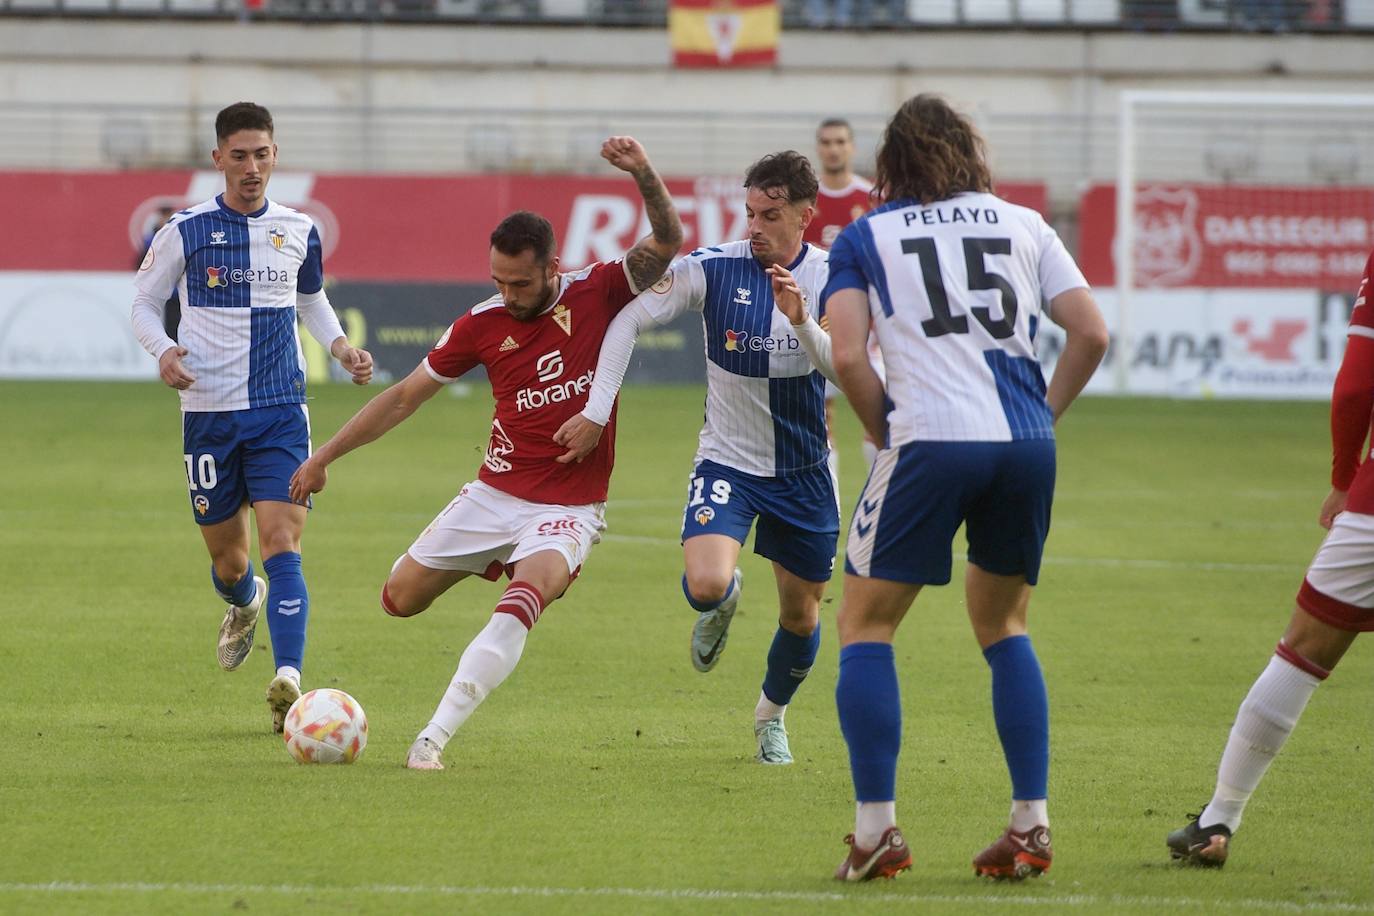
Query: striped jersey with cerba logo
{"points": [[765, 402], [237, 276]]}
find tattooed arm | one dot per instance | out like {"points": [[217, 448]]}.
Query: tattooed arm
{"points": [[651, 255]]}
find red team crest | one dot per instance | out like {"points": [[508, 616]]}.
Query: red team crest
{"points": [[1168, 247]]}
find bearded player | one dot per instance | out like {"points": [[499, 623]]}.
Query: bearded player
{"points": [[526, 514]]}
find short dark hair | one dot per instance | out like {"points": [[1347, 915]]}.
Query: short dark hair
{"points": [[524, 231], [835, 122], [930, 152], [788, 172], [242, 116]]}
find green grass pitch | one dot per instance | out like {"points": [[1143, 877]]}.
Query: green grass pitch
{"points": [[606, 776]]}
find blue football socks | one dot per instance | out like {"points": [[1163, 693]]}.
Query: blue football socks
{"points": [[870, 708], [288, 607], [241, 593], [789, 662], [1021, 709]]}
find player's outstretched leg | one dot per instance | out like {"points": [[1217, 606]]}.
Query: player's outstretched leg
{"points": [[1020, 707], [486, 662], [1263, 723], [870, 709], [789, 662], [244, 599], [713, 623]]}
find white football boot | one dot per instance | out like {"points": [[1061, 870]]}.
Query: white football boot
{"points": [[282, 691], [424, 755], [712, 628], [236, 632]]}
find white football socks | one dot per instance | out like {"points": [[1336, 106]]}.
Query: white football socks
{"points": [[287, 671], [486, 662], [1263, 723], [767, 709], [1027, 815], [871, 820]]}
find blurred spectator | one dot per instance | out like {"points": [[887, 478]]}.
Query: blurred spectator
{"points": [[862, 13], [171, 315], [1264, 15], [154, 223], [1150, 14]]}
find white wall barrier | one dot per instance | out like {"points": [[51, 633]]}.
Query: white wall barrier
{"points": [[60, 325], [1263, 344]]}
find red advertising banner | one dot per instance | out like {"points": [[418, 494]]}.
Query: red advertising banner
{"points": [[1229, 236], [373, 227]]}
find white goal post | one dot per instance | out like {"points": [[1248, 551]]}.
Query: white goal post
{"points": [[1235, 214]]}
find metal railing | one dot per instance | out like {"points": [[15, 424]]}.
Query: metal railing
{"points": [[1183, 15], [1064, 151]]}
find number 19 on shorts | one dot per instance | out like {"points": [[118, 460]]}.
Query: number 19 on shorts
{"points": [[720, 492]]}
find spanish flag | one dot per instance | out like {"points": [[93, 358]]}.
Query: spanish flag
{"points": [[724, 33]]}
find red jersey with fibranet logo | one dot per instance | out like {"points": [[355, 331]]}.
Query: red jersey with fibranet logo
{"points": [[837, 209], [1352, 400], [540, 373]]}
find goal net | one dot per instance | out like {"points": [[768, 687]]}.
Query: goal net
{"points": [[1228, 250]]}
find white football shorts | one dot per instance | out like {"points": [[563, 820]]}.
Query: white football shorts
{"points": [[1344, 565], [485, 531]]}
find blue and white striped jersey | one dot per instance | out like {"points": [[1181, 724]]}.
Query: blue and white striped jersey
{"points": [[955, 290], [238, 277], [765, 402]]}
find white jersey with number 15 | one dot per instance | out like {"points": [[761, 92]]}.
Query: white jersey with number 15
{"points": [[955, 291]]}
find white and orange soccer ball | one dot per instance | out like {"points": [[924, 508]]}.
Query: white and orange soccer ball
{"points": [[325, 726]]}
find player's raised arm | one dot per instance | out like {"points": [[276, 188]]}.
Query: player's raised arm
{"points": [[651, 255]]}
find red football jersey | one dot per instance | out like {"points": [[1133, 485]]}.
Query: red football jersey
{"points": [[837, 209], [540, 373], [1351, 402]]}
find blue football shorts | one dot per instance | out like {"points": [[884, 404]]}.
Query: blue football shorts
{"points": [[237, 455], [918, 495], [798, 517]]}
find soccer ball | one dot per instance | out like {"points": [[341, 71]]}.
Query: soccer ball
{"points": [[325, 726]]}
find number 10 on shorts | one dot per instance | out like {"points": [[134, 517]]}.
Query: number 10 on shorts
{"points": [[200, 472]]}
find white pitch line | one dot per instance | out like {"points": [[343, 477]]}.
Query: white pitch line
{"points": [[445, 890]]}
